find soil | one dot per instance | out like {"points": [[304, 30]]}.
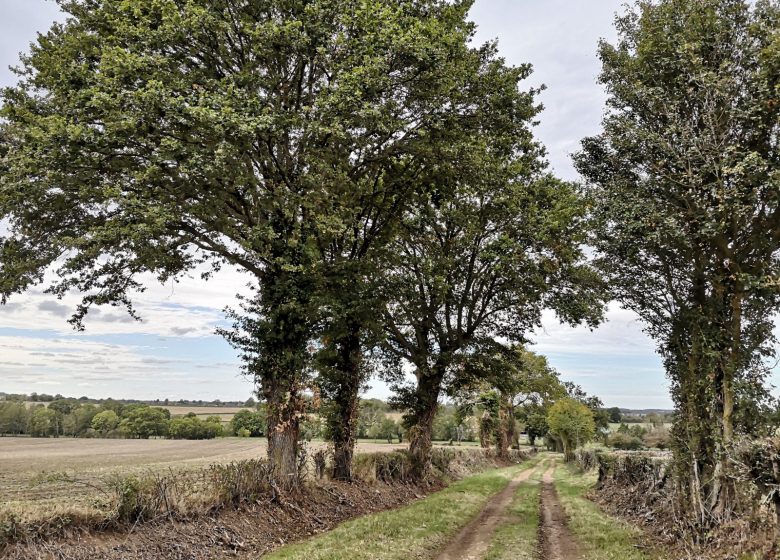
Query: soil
{"points": [[242, 533], [473, 540], [555, 540]]}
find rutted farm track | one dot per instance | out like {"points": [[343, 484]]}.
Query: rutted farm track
{"points": [[473, 540], [555, 540]]}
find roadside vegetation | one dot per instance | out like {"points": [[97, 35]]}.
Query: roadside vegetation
{"points": [[601, 536], [415, 531]]}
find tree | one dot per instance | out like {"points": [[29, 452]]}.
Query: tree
{"points": [[79, 420], [386, 429], [43, 422], [684, 179], [572, 422], [157, 138], [105, 422], [496, 245], [536, 426], [145, 422], [615, 416], [13, 418], [253, 422], [192, 427]]}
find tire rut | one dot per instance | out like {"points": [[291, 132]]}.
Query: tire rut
{"points": [[555, 540], [472, 542]]}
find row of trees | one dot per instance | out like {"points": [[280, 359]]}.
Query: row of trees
{"points": [[71, 418], [376, 175], [371, 169]]}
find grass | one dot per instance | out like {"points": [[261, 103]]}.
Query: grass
{"points": [[602, 537], [415, 531], [516, 538]]}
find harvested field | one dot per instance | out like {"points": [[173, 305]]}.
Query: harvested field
{"points": [[33, 471], [257, 525]]}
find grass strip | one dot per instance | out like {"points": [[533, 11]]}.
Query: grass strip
{"points": [[515, 539], [602, 537], [414, 531]]}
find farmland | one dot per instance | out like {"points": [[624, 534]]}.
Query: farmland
{"points": [[35, 471]]}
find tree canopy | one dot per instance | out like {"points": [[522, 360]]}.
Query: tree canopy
{"points": [[686, 189]]}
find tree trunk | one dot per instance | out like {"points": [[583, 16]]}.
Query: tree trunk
{"points": [[485, 430], [504, 432], [283, 434], [346, 403], [568, 452], [724, 490], [282, 335], [425, 407]]}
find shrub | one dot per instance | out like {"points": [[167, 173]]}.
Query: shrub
{"points": [[247, 420], [385, 467], [192, 427], [658, 438], [625, 442], [243, 481]]}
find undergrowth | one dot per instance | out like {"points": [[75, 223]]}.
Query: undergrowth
{"points": [[126, 500]]}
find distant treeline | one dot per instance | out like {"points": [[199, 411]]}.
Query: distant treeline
{"points": [[44, 398], [113, 419]]}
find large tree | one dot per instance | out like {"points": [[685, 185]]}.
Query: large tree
{"points": [[480, 256], [686, 185], [160, 136]]}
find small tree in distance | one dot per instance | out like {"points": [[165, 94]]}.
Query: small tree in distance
{"points": [[571, 422]]}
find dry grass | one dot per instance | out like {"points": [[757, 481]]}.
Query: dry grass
{"points": [[40, 474]]}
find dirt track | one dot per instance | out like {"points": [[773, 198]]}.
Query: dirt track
{"points": [[555, 540], [473, 540]]}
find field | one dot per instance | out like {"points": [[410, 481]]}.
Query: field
{"points": [[34, 472]]}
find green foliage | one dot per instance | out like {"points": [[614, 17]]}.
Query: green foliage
{"points": [[624, 441], [43, 422], [253, 423], [13, 417], [450, 425], [536, 426], [296, 155], [684, 181], [371, 414], [105, 422], [615, 416], [192, 427], [144, 422], [79, 420], [572, 422]]}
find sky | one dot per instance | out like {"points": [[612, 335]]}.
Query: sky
{"points": [[174, 353]]}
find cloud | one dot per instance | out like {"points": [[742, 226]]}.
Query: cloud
{"points": [[54, 308]]}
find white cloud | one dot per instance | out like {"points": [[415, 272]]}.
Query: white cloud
{"points": [[621, 333]]}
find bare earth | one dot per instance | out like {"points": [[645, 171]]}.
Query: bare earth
{"points": [[555, 540], [474, 539], [28, 465]]}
